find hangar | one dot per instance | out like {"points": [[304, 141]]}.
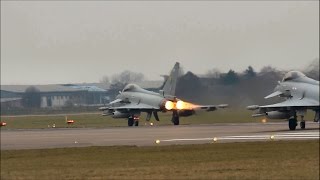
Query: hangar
{"points": [[56, 95]]}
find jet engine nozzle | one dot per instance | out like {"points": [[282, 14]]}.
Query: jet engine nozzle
{"points": [[223, 106]]}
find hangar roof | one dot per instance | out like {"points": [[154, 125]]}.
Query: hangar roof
{"points": [[41, 88]]}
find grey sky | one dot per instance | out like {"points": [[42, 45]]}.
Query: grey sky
{"points": [[65, 42]]}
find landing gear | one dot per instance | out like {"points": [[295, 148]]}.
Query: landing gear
{"points": [[136, 123], [133, 120], [316, 117], [293, 123], [302, 124], [175, 118], [130, 121]]}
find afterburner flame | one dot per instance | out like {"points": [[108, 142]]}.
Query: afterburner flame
{"points": [[169, 105], [180, 105]]}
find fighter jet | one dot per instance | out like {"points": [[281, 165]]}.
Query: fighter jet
{"points": [[133, 100], [300, 94]]}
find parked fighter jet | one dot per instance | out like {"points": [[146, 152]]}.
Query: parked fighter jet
{"points": [[133, 100], [300, 92]]}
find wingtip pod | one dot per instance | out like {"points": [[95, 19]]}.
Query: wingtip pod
{"points": [[253, 107], [223, 106], [103, 108], [257, 115]]}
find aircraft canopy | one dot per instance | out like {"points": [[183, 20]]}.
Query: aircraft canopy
{"points": [[292, 75], [131, 87]]}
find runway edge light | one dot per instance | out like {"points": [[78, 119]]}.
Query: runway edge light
{"points": [[215, 139], [272, 137]]}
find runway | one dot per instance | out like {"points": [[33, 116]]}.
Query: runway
{"points": [[153, 135]]}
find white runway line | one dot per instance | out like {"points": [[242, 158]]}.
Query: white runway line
{"points": [[196, 139], [311, 137], [298, 135], [315, 132]]}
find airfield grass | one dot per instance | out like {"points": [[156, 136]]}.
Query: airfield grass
{"points": [[98, 121], [246, 160]]}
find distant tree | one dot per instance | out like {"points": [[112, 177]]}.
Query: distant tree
{"points": [[249, 73], [31, 97], [127, 77], [189, 85], [268, 69], [105, 80], [312, 70], [230, 78], [213, 73]]}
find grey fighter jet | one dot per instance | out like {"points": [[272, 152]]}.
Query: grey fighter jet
{"points": [[133, 100], [300, 93]]}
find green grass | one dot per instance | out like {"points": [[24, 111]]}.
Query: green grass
{"points": [[98, 121], [255, 160]]}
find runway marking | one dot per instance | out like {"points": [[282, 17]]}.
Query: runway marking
{"points": [[307, 135]]}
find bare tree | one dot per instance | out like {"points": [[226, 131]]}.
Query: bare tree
{"points": [[312, 70], [213, 73], [268, 69], [105, 80], [230, 78], [127, 77], [249, 73]]}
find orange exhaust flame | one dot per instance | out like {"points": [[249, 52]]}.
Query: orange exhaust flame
{"points": [[181, 105]]}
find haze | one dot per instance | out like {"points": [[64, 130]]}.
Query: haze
{"points": [[81, 41]]}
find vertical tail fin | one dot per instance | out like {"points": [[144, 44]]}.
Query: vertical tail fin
{"points": [[169, 87]]}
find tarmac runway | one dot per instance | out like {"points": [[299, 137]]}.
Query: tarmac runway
{"points": [[153, 135]]}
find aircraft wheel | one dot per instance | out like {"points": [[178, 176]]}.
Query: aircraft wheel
{"points": [[292, 124], [136, 123], [130, 121], [302, 124], [176, 121]]}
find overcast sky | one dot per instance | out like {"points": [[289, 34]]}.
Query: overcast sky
{"points": [[81, 41]]}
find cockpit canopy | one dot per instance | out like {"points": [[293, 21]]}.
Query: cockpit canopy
{"points": [[131, 87], [292, 75]]}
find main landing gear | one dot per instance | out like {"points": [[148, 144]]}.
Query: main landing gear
{"points": [[175, 118], [302, 123], [132, 120], [293, 123]]}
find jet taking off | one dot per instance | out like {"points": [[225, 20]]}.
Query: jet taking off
{"points": [[133, 100], [300, 92]]}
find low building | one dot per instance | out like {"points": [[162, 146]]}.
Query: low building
{"points": [[53, 95], [9, 103], [60, 95]]}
